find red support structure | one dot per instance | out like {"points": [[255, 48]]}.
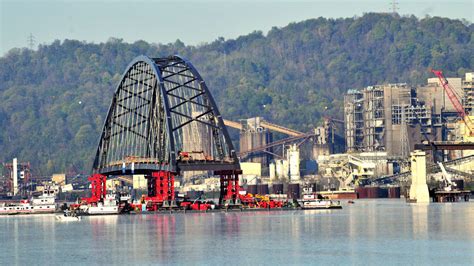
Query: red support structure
{"points": [[161, 189], [98, 188], [229, 187]]}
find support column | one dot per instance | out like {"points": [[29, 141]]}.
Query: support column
{"points": [[98, 188], [229, 180], [15, 176], [161, 189], [419, 189]]}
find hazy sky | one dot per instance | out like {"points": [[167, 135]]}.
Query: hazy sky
{"points": [[192, 21]]}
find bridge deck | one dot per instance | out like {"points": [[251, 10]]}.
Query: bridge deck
{"points": [[148, 166]]}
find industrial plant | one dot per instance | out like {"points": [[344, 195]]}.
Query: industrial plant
{"points": [[395, 140]]}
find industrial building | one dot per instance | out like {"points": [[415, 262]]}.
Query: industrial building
{"points": [[16, 178], [468, 90], [251, 173], [252, 135], [257, 145], [59, 179], [394, 117], [288, 168], [326, 141]]}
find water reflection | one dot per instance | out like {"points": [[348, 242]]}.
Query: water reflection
{"points": [[231, 223], [101, 220], [18, 230], [420, 220], [368, 232], [163, 235]]}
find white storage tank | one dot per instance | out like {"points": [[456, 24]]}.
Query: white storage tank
{"points": [[272, 170], [286, 168], [281, 168], [294, 161]]}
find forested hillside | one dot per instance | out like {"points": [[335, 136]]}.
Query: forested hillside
{"points": [[53, 100]]}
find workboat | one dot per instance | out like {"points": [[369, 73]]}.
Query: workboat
{"points": [[108, 206], [45, 203], [311, 201]]}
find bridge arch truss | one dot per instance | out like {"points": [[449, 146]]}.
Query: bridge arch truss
{"points": [[162, 109]]}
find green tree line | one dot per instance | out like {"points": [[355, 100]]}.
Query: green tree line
{"points": [[53, 100]]}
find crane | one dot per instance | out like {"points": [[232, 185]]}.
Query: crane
{"points": [[455, 101], [449, 184]]}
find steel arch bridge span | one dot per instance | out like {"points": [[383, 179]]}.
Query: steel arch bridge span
{"points": [[163, 118]]}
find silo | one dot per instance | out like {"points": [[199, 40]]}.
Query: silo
{"points": [[253, 135], [294, 162], [285, 168], [272, 170], [281, 168]]}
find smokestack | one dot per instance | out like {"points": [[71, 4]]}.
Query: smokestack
{"points": [[15, 176]]}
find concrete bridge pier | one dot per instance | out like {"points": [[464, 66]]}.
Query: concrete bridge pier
{"points": [[419, 189]]}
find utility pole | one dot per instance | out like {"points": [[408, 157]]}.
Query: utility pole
{"points": [[31, 41], [394, 7]]}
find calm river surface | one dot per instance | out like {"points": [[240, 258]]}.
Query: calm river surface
{"points": [[375, 232]]}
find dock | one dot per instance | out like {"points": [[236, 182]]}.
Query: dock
{"points": [[452, 196]]}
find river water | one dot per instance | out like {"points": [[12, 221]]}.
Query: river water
{"points": [[374, 232]]}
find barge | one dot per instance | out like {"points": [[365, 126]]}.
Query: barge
{"points": [[312, 202], [339, 194]]}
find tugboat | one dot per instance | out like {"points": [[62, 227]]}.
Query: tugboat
{"points": [[108, 206], [101, 202], [312, 201], [46, 203]]}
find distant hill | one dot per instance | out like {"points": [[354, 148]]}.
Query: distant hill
{"points": [[53, 100]]}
